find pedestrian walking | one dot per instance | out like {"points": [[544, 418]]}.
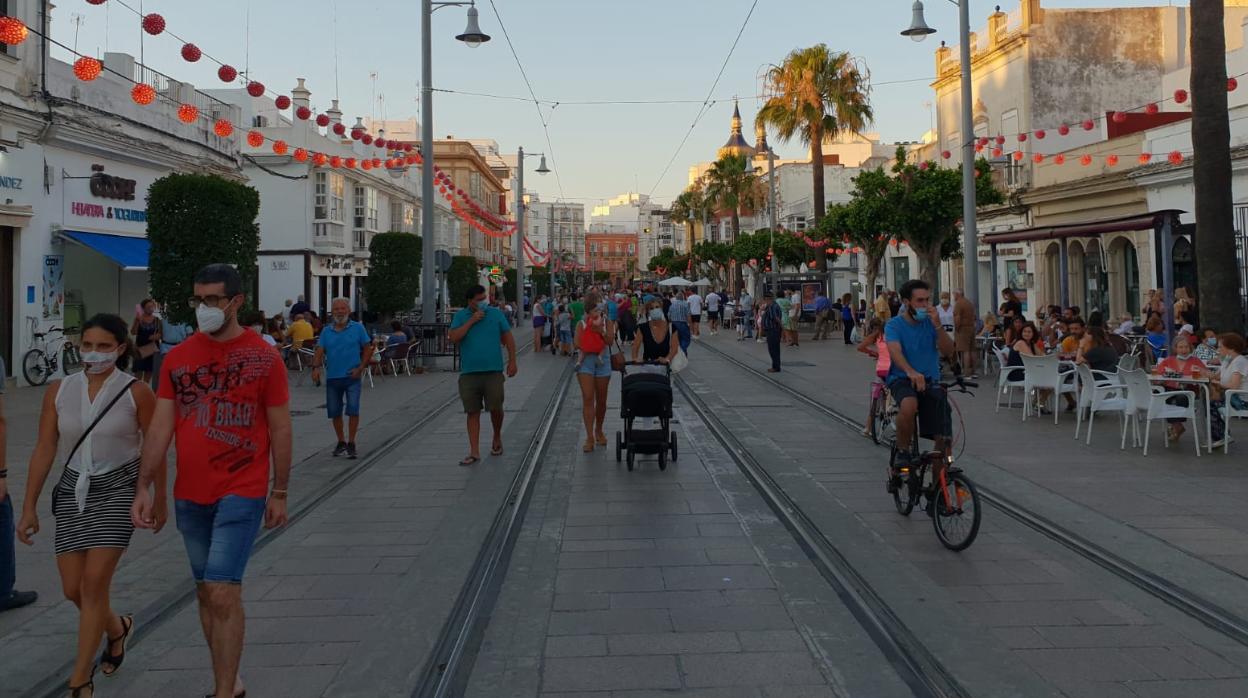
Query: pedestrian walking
{"points": [[654, 337], [480, 330], [823, 316], [539, 325], [10, 598], [225, 403], [593, 369], [964, 331], [146, 332], [847, 318], [92, 422], [344, 349], [881, 307], [713, 301], [772, 326], [745, 316], [695, 314], [678, 314], [627, 318], [565, 331], [171, 335]]}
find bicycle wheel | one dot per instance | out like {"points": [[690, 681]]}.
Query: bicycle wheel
{"points": [[71, 360], [35, 367], [957, 513], [907, 493], [874, 426]]}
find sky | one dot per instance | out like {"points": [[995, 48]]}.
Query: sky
{"points": [[571, 51]]}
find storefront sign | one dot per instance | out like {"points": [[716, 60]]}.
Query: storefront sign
{"points": [[1002, 252], [10, 182], [53, 285], [79, 208], [279, 265], [110, 187]]}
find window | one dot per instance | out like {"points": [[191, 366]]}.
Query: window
{"points": [[371, 208], [357, 221], [593, 248], [361, 239], [632, 249], [4, 12], [320, 207], [337, 197], [259, 121], [396, 215]]}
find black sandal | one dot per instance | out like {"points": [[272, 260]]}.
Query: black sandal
{"points": [[239, 695], [116, 660], [76, 691]]}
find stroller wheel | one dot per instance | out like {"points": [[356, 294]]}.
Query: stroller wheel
{"points": [[663, 459], [672, 442], [619, 446], [631, 458]]}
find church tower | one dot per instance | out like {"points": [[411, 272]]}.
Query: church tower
{"points": [[736, 144]]}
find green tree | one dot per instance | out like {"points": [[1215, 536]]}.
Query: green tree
{"points": [[665, 259], [393, 280], [864, 221], [461, 277], [690, 207], [194, 220], [732, 185], [716, 255], [1214, 240], [815, 93]]}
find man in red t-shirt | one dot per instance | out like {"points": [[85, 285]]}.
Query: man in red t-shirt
{"points": [[223, 396]]}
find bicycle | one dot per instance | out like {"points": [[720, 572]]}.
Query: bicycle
{"points": [[883, 425], [44, 357], [952, 500]]}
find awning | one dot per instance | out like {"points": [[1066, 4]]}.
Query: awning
{"points": [[130, 253], [1146, 221]]}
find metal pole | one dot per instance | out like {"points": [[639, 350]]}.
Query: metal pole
{"points": [[520, 237], [771, 176], [427, 308], [970, 239]]}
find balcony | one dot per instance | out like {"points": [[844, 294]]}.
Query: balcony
{"points": [[328, 238]]}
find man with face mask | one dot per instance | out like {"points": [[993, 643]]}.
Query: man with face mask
{"points": [[916, 341], [482, 332], [224, 400], [345, 350]]}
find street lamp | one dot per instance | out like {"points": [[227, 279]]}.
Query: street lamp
{"points": [[473, 37], [918, 30], [520, 208]]}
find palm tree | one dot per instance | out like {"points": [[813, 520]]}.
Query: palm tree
{"points": [[817, 93], [1219, 303], [731, 184]]}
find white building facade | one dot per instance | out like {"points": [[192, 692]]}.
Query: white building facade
{"points": [[637, 213]]}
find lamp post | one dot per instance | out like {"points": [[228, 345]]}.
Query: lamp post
{"points": [[520, 209], [918, 31], [473, 37], [771, 216]]}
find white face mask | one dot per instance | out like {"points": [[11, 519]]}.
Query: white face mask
{"points": [[209, 319], [96, 362]]}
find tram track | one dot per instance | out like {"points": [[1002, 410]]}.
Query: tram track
{"points": [[152, 617], [1209, 613], [919, 669]]}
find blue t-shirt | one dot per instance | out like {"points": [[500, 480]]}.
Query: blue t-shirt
{"points": [[822, 304], [847, 313], [918, 345], [613, 311], [342, 348], [481, 350], [549, 307]]}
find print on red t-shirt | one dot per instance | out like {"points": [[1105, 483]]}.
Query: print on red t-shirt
{"points": [[220, 391]]}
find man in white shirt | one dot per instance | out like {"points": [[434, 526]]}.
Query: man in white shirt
{"points": [[695, 314], [712, 309]]}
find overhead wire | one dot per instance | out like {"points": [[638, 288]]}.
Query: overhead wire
{"points": [[706, 103]]}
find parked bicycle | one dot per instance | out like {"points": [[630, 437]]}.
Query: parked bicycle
{"points": [[49, 351], [951, 498]]}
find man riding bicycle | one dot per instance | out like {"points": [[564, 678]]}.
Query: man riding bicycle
{"points": [[916, 341]]}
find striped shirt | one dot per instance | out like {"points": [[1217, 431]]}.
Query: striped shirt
{"points": [[679, 312]]}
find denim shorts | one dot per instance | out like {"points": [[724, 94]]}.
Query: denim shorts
{"points": [[597, 365], [565, 336], [219, 536], [343, 393]]}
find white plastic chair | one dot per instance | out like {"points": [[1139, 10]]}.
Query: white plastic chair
{"points": [[1143, 398], [1229, 412], [1045, 373], [1099, 391], [1004, 384], [1128, 362]]}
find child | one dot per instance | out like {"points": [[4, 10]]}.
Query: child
{"points": [[565, 331], [873, 345]]}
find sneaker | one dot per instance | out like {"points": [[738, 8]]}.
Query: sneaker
{"points": [[17, 599], [340, 449], [1222, 442], [351, 451]]}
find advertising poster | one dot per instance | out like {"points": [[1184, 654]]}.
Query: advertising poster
{"points": [[810, 291], [53, 285], [1016, 274]]}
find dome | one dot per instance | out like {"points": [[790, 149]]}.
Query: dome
{"points": [[736, 144]]}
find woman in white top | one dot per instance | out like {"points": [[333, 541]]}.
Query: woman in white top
{"points": [[1232, 374], [92, 498]]}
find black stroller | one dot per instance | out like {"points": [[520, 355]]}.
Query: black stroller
{"points": [[646, 393]]}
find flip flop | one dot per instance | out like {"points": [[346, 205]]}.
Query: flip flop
{"points": [[470, 460], [496, 451]]}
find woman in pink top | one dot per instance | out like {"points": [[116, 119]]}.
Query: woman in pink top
{"points": [[873, 345], [1182, 362]]}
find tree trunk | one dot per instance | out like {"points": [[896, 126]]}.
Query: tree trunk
{"points": [[1219, 293], [736, 265], [869, 296], [929, 264], [816, 178]]}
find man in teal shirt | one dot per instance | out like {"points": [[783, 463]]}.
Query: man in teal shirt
{"points": [[479, 330]]}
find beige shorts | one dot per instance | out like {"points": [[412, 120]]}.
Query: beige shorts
{"points": [[477, 390]]}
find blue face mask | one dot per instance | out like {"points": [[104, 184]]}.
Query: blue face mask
{"points": [[920, 314], [656, 314], [1212, 341]]}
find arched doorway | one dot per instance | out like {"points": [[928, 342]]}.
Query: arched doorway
{"points": [[1124, 277], [1095, 280], [1074, 267], [1184, 261], [1052, 276], [1131, 279]]}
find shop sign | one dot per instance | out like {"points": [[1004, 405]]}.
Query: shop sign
{"points": [[10, 183], [986, 253], [279, 265], [86, 210], [110, 187]]}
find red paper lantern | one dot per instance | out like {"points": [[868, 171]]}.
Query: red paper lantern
{"points": [[349, 163], [1119, 117], [1152, 108], [1037, 158], [376, 162], [357, 134], [96, 2], [318, 159], [1000, 140], [1180, 96], [979, 147], [12, 31], [322, 120], [1019, 155], [1040, 134], [946, 154], [983, 140], [923, 165], [223, 128], [255, 139], [1059, 159], [832, 250], [188, 113], [1111, 160], [301, 155], [255, 89], [1088, 124], [153, 24], [335, 162], [87, 68], [811, 263], [280, 147], [143, 93], [407, 147], [996, 152], [191, 53], [380, 142], [1022, 137], [282, 102], [1176, 158], [1085, 160], [1231, 84], [227, 73], [303, 113], [340, 128], [1063, 130], [366, 164], [366, 139], [1145, 158]]}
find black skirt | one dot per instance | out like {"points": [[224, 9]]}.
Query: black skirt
{"points": [[105, 520]]}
